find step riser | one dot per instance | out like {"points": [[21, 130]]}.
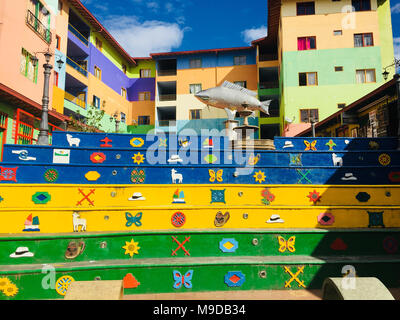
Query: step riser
{"points": [[200, 244], [106, 219], [160, 279], [85, 157], [117, 175], [70, 196]]}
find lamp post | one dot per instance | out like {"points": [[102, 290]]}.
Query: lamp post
{"points": [[313, 122], [43, 137], [395, 64]]}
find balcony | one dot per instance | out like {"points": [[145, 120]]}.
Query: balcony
{"points": [[77, 34], [38, 27], [167, 97], [76, 100], [81, 69], [269, 85], [268, 56], [163, 73]]}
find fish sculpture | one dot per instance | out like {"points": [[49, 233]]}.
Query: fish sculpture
{"points": [[232, 98]]}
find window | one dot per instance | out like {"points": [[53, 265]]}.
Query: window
{"points": [[195, 88], [195, 63], [96, 102], [306, 43], [58, 42], [145, 73], [144, 96], [363, 40], [56, 78], [143, 120], [306, 115], [305, 8], [26, 66], [123, 117], [337, 32], [123, 92], [361, 5], [124, 68], [365, 76], [239, 61], [195, 114], [243, 84], [97, 72], [341, 105], [308, 79], [338, 69], [99, 44]]}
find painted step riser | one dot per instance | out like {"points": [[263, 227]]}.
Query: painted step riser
{"points": [[71, 174], [45, 220], [80, 156], [47, 283], [172, 196], [47, 250], [297, 144]]}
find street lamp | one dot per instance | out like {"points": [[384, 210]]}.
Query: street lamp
{"points": [[43, 137], [395, 64]]}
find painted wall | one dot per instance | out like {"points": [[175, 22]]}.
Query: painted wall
{"points": [[385, 30]]}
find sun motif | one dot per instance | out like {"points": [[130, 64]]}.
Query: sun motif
{"points": [[10, 290], [259, 176], [384, 159], [62, 284], [4, 282], [138, 158], [131, 248]]}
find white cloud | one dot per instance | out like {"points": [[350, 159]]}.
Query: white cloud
{"points": [[396, 44], [140, 39], [396, 8], [254, 33]]}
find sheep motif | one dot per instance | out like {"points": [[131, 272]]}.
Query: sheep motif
{"points": [[176, 176], [73, 141], [337, 161], [77, 221]]}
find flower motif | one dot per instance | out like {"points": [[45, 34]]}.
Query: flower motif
{"points": [[314, 196], [384, 159], [138, 158], [11, 290], [131, 248], [268, 197], [259, 176]]}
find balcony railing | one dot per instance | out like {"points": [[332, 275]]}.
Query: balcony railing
{"points": [[79, 35], [269, 85], [38, 27], [167, 97], [76, 100], [166, 123], [167, 72], [268, 57], [77, 66]]}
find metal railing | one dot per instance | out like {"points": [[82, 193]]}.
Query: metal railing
{"points": [[77, 66], [76, 100], [167, 97], [38, 27], [268, 57], [171, 72], [269, 85], [79, 35]]}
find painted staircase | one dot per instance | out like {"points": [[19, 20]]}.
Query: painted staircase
{"points": [[185, 214]]}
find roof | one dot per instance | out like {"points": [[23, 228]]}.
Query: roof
{"points": [[354, 104], [100, 28], [16, 98], [274, 15], [199, 51]]}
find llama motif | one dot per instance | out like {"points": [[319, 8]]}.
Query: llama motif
{"points": [[176, 176], [337, 161], [77, 221], [73, 141]]}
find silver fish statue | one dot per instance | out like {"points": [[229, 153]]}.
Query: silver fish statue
{"points": [[232, 97]]}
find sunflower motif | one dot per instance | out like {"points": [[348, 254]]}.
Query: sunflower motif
{"points": [[4, 282], [138, 158], [131, 248], [10, 290], [384, 159], [259, 176]]}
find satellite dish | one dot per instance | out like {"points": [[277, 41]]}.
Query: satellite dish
{"points": [[288, 120]]}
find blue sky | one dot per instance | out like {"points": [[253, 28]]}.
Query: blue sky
{"points": [[151, 26]]}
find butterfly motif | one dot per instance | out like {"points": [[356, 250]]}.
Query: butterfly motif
{"points": [[289, 245], [216, 175], [185, 280], [310, 146], [130, 219], [253, 160]]}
